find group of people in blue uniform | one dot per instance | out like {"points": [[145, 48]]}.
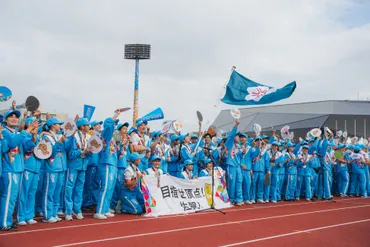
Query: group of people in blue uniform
{"points": [[72, 179]]}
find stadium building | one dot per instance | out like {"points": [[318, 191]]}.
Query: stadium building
{"points": [[350, 116]]}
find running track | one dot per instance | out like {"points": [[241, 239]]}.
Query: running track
{"points": [[345, 222]]}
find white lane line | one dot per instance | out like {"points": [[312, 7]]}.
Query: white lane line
{"points": [[209, 226], [296, 232], [168, 217]]}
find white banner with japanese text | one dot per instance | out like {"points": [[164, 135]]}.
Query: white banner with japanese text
{"points": [[166, 195]]}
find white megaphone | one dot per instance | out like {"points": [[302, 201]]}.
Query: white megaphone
{"points": [[31, 104], [154, 115]]}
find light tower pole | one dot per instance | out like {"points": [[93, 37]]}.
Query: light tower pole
{"points": [[137, 52]]}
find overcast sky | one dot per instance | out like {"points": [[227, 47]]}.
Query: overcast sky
{"points": [[70, 53]]}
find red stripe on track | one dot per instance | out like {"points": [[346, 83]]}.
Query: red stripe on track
{"points": [[248, 229]]}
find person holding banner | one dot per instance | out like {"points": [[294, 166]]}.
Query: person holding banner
{"points": [[122, 153], [107, 169], [12, 165], [233, 162], [54, 170], [131, 196], [78, 160], [155, 170], [188, 170], [32, 166]]}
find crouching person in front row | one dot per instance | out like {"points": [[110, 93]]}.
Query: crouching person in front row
{"points": [[131, 196]]}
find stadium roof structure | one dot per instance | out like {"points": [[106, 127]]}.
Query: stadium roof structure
{"points": [[350, 116]]}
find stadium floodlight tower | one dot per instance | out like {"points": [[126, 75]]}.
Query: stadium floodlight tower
{"points": [[137, 52]]}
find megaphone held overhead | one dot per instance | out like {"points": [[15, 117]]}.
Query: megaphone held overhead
{"points": [[31, 104], [154, 115]]}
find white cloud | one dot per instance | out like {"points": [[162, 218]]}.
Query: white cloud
{"points": [[71, 53]]}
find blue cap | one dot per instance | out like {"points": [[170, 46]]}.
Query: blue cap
{"points": [[265, 137], [341, 146], [258, 138], [174, 138], [156, 157], [96, 123], [53, 121], [121, 125], [9, 113], [1, 118], [305, 146], [282, 142], [357, 149], [350, 147], [140, 122], [208, 161], [135, 156], [132, 129], [243, 135], [116, 121], [290, 144], [82, 122], [153, 134], [194, 136], [311, 140], [30, 120], [361, 146], [182, 137], [188, 162], [159, 133], [276, 143]]}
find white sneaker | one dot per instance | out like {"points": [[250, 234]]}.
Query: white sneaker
{"points": [[239, 203], [100, 216], [253, 201], [297, 199], [51, 220], [112, 211], [58, 219], [31, 222], [308, 200], [109, 215], [274, 201], [61, 214], [248, 202], [261, 201], [79, 216], [68, 217], [22, 223]]}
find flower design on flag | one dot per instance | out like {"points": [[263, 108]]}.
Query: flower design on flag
{"points": [[256, 93]]}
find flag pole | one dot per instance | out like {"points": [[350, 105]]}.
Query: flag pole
{"points": [[224, 87]]}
